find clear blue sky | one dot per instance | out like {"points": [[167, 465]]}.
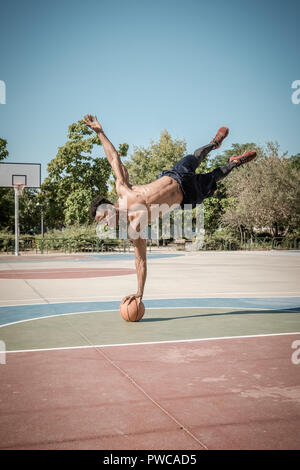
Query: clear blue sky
{"points": [[144, 66]]}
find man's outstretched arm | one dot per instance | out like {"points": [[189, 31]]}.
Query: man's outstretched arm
{"points": [[110, 151]]}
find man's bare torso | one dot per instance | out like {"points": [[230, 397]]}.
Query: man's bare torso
{"points": [[163, 191]]}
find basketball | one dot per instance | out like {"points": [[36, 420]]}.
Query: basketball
{"points": [[132, 312]]}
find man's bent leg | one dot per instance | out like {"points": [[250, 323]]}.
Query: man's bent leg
{"points": [[202, 152], [222, 171]]}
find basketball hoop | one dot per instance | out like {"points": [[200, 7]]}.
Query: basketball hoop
{"points": [[19, 176], [19, 188]]}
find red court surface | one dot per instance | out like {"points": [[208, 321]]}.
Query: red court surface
{"points": [[230, 393], [63, 273]]}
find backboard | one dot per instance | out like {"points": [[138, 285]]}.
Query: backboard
{"points": [[27, 174]]}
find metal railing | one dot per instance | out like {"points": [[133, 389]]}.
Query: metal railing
{"points": [[64, 245], [95, 245], [256, 243]]}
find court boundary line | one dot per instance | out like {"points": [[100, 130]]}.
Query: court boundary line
{"points": [[254, 309], [112, 299], [262, 335]]}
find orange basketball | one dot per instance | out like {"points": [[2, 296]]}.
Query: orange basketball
{"points": [[133, 311]]}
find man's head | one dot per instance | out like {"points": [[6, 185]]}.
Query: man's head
{"points": [[101, 209]]}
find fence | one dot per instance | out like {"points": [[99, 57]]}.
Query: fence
{"points": [[95, 245], [256, 243], [64, 245]]}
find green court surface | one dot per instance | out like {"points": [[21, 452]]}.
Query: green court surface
{"points": [[168, 324]]}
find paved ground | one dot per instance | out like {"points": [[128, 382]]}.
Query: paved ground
{"points": [[204, 274], [212, 365]]}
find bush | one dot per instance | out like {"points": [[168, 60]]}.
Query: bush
{"points": [[221, 240], [7, 242], [72, 238]]}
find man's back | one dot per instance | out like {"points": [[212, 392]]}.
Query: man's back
{"points": [[164, 190]]}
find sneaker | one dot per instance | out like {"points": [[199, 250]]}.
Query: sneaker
{"points": [[220, 136], [244, 158]]}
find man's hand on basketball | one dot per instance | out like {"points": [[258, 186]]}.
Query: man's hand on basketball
{"points": [[131, 297], [92, 122]]}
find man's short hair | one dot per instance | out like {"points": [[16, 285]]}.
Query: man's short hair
{"points": [[97, 202]]}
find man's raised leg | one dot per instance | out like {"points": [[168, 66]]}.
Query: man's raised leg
{"points": [[233, 162], [216, 142]]}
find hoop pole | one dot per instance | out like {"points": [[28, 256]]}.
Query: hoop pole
{"points": [[16, 221]]}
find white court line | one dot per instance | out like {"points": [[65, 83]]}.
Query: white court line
{"points": [[154, 342], [227, 295], [253, 309]]}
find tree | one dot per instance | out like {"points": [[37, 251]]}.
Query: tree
{"points": [[28, 213], [215, 206], [6, 209], [74, 178], [294, 160], [145, 164], [6, 196], [3, 150], [264, 194], [78, 199]]}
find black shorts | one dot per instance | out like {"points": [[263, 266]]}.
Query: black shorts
{"points": [[195, 188]]}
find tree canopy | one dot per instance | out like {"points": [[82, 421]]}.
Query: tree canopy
{"points": [[75, 176], [264, 195], [3, 149], [146, 163], [6, 195]]}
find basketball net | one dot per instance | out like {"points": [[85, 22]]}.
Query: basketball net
{"points": [[19, 188]]}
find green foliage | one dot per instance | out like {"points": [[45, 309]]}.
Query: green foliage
{"points": [[74, 238], [30, 212], [3, 150], [7, 208], [78, 199], [236, 149], [220, 240], [74, 178], [123, 149], [145, 164], [215, 206], [294, 160], [265, 195], [6, 196]]}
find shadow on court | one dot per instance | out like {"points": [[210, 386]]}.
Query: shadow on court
{"points": [[221, 314]]}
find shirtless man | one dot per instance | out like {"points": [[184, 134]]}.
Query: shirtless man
{"points": [[179, 185]]}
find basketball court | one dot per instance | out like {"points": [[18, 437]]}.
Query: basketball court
{"points": [[213, 364]]}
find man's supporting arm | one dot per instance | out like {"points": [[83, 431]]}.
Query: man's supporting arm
{"points": [[140, 248]]}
